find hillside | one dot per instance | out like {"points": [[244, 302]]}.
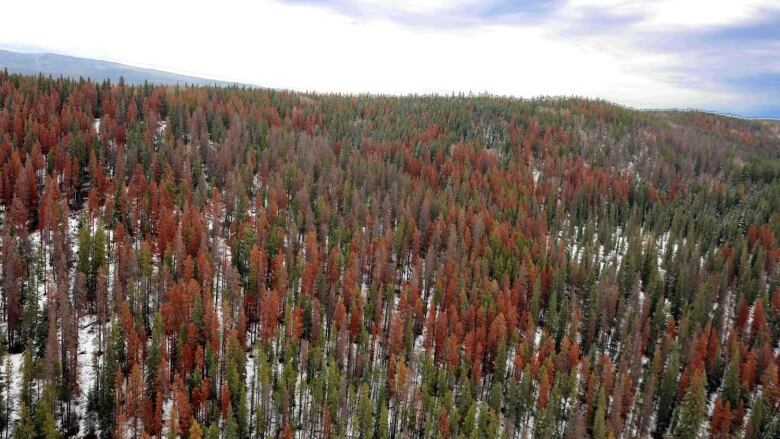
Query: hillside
{"points": [[225, 262], [55, 65]]}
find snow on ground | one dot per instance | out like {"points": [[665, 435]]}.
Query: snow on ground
{"points": [[161, 127], [14, 381], [88, 340], [166, 410], [661, 244], [87, 333]]}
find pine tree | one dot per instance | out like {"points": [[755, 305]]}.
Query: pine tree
{"points": [[760, 423], [488, 423], [525, 395], [44, 413], [196, 432], [213, 431], [98, 259], [365, 413], [25, 428], [103, 397], [694, 408], [85, 246], [599, 418], [231, 427], [667, 392], [731, 385], [135, 394], [536, 299], [545, 422], [381, 431]]}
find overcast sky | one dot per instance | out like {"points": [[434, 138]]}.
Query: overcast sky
{"points": [[710, 54]]}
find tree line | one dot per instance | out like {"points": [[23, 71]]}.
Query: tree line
{"points": [[222, 262]]}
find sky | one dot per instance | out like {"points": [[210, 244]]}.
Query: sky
{"points": [[715, 55]]}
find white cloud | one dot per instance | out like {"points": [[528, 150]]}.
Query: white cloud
{"points": [[306, 47], [698, 13], [413, 6], [659, 14]]}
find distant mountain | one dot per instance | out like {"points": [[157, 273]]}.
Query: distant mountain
{"points": [[74, 67]]}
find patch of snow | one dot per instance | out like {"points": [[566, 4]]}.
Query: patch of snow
{"points": [[88, 333], [14, 383]]}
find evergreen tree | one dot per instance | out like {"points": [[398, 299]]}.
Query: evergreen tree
{"points": [[694, 408], [231, 427], [536, 299], [25, 428], [103, 395], [667, 392], [760, 422], [45, 418], [365, 413], [599, 418], [196, 432], [213, 431], [381, 431], [731, 384]]}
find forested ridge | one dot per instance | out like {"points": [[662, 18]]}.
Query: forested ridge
{"points": [[222, 262]]}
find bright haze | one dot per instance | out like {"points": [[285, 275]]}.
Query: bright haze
{"points": [[714, 55]]}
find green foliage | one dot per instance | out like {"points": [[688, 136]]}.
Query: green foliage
{"points": [[446, 233], [599, 418], [694, 408]]}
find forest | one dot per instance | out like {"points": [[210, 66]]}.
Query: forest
{"points": [[229, 262]]}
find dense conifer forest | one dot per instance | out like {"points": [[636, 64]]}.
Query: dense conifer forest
{"points": [[222, 262]]}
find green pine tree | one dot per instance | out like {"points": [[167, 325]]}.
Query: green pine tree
{"points": [[213, 431], [694, 408], [731, 385], [667, 392], [365, 413], [25, 428], [84, 240], [231, 426], [599, 418], [536, 299], [102, 398], [760, 423], [45, 419], [382, 426]]}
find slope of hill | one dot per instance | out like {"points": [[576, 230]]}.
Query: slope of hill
{"points": [[74, 67], [226, 262]]}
